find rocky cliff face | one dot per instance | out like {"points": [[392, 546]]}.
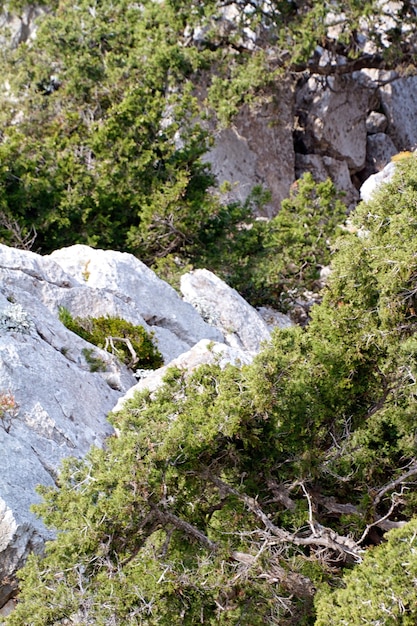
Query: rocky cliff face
{"points": [[51, 404], [339, 127]]}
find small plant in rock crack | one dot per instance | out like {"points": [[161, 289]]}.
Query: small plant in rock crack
{"points": [[9, 410]]}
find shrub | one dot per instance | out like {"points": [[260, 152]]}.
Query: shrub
{"points": [[9, 410], [132, 345]]}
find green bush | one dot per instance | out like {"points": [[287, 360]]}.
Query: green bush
{"points": [[381, 590], [131, 344]]}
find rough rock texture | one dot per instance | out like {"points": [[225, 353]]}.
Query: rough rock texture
{"points": [[399, 103], [379, 150], [334, 116], [376, 123], [225, 309], [204, 352], [15, 30], [116, 283], [258, 150], [274, 319], [51, 404]]}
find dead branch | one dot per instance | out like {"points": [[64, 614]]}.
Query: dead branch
{"points": [[395, 501], [110, 343], [392, 485], [320, 537]]}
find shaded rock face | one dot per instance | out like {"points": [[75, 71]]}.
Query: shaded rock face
{"points": [[258, 150], [18, 29], [51, 404]]}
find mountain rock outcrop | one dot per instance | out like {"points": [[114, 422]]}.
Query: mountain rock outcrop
{"points": [[51, 404]]}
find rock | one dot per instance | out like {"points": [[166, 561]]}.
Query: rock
{"points": [[18, 29], [376, 123], [204, 352], [274, 319], [374, 182], [399, 102], [224, 308], [334, 118], [379, 150], [258, 150], [323, 167], [52, 406], [118, 284]]}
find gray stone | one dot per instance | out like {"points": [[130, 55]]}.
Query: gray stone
{"points": [[379, 150], [274, 319], [376, 123], [334, 115], [399, 103], [258, 150], [51, 405], [18, 29], [117, 283], [222, 306]]}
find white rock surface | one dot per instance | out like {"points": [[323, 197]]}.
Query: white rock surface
{"points": [[375, 181], [224, 308], [117, 283]]}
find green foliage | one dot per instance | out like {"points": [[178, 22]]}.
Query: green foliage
{"points": [[382, 590], [131, 344], [101, 142], [229, 495], [275, 262]]}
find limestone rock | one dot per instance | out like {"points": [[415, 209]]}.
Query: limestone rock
{"points": [[379, 150], [374, 182], [274, 319], [334, 115], [376, 123], [18, 29], [51, 405], [258, 150], [399, 103], [224, 308], [117, 283]]}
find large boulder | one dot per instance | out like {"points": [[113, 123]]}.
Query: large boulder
{"points": [[223, 307], [117, 283], [399, 102], [258, 150], [333, 115]]}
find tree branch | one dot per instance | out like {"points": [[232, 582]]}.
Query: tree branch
{"points": [[322, 536]]}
